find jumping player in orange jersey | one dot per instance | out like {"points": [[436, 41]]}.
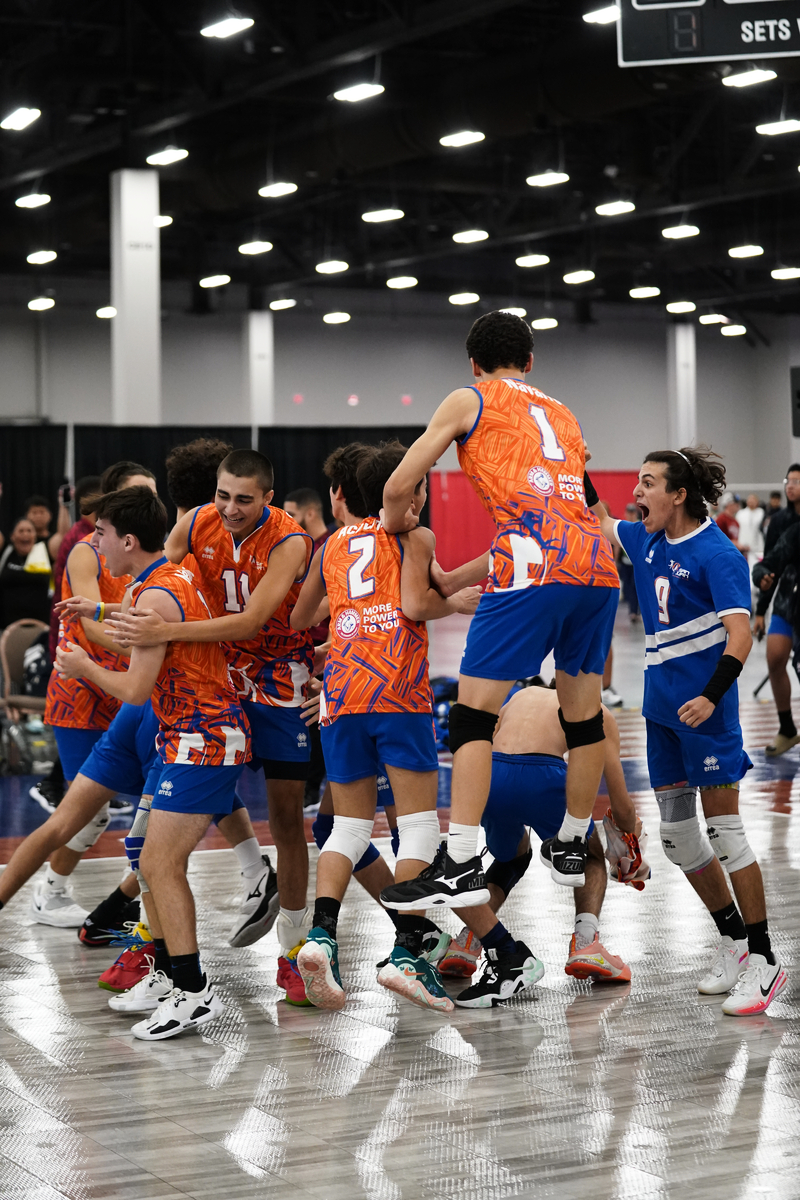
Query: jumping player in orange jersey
{"points": [[552, 586], [203, 740]]}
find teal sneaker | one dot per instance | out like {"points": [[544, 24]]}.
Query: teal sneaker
{"points": [[435, 944], [318, 964], [415, 979]]}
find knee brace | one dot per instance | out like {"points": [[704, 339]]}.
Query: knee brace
{"points": [[322, 827], [506, 875], [681, 836], [367, 858], [583, 733], [729, 842], [350, 837], [469, 725], [135, 838], [419, 836], [85, 838]]}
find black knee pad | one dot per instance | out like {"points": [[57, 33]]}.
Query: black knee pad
{"points": [[583, 733], [469, 725], [507, 875]]}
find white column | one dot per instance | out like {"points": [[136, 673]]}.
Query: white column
{"points": [[259, 370], [136, 295], [681, 385]]}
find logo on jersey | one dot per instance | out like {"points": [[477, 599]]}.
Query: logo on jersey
{"points": [[166, 788], [541, 481], [677, 570], [711, 763], [348, 623], [208, 552]]}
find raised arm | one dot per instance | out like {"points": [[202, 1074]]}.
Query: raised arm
{"points": [[419, 599], [177, 545], [305, 613], [607, 523]]}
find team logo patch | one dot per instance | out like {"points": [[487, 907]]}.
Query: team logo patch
{"points": [[711, 763], [541, 481], [302, 739], [348, 623], [677, 570], [166, 788]]}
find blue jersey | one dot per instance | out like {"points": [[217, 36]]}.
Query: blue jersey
{"points": [[685, 587]]}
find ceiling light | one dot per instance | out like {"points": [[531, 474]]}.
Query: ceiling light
{"points": [[470, 235], [278, 305], [732, 330], [464, 298], [227, 27], [680, 231], [273, 190], [745, 251], [776, 127], [515, 312], [34, 200], [42, 256], [162, 222], [352, 400], [614, 208], [746, 78], [41, 303], [602, 16], [358, 92], [786, 273], [465, 137], [212, 281], [21, 118], [544, 323], [106, 313], [382, 214], [681, 306], [331, 268], [547, 179], [402, 281], [532, 260], [713, 319], [336, 318], [578, 276], [164, 158], [255, 247], [644, 293]]}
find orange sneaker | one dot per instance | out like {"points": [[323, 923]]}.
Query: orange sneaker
{"points": [[290, 979], [595, 963], [131, 966], [461, 957]]}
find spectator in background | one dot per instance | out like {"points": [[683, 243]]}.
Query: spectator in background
{"points": [[37, 510], [751, 539], [84, 525], [23, 594], [774, 505], [625, 568], [726, 518]]}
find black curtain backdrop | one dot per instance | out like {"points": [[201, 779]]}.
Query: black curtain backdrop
{"points": [[31, 461]]}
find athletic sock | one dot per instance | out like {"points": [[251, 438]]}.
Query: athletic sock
{"points": [[409, 933], [573, 827], [109, 911], [55, 881], [498, 938], [248, 855], [161, 961], [787, 725], [587, 927], [326, 915], [730, 924], [294, 915], [758, 941], [186, 972], [462, 842]]}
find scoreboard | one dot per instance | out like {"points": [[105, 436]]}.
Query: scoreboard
{"points": [[654, 32]]}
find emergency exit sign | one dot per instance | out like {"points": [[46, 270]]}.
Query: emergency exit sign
{"points": [[652, 32]]}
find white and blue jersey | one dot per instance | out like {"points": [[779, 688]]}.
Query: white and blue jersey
{"points": [[685, 587]]}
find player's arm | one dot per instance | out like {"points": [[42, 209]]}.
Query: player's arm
{"points": [[467, 575], [82, 565], [454, 417], [305, 614], [178, 543], [419, 600], [773, 564], [607, 522], [728, 669], [620, 803]]}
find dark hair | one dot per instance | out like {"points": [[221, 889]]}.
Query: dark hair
{"points": [[136, 511], [499, 339], [374, 470], [304, 498], [192, 471], [249, 464], [88, 486], [703, 476], [114, 476], [36, 502], [27, 521], [341, 469], [776, 495]]}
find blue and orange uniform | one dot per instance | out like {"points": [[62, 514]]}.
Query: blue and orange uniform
{"points": [[271, 670], [552, 584]]}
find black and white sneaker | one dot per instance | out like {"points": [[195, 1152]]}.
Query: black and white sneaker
{"points": [[120, 806], [48, 795], [178, 1011], [566, 860], [258, 910], [503, 976], [444, 884]]}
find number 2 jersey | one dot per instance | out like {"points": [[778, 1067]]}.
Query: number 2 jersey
{"points": [[378, 660], [274, 666], [685, 588], [525, 459]]}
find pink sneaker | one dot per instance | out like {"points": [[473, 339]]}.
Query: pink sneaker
{"points": [[461, 957], [594, 962]]}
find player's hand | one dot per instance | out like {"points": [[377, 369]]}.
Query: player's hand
{"points": [[320, 654], [138, 627], [310, 707], [759, 628], [767, 582], [71, 661], [694, 712], [439, 580], [410, 520], [76, 606], [467, 600]]}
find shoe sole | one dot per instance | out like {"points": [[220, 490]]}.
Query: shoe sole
{"points": [[41, 919], [597, 973], [321, 987], [572, 881], [411, 988], [110, 987], [139, 1009], [105, 941], [254, 930], [518, 985], [780, 984], [161, 1037], [40, 800], [442, 900], [457, 968]]}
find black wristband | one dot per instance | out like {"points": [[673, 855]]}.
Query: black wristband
{"points": [[589, 491], [727, 671]]}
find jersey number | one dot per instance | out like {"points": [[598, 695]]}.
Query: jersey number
{"points": [[551, 450], [235, 743], [357, 586], [526, 551], [663, 585], [237, 590]]}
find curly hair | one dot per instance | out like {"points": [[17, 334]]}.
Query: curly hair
{"points": [[696, 469], [192, 471], [499, 339]]}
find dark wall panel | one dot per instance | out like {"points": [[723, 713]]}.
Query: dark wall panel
{"points": [[31, 460]]}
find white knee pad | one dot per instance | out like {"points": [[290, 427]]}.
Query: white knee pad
{"points": [[86, 837], [685, 846], [350, 837], [729, 842], [419, 836]]}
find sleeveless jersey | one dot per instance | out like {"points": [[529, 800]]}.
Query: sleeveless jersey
{"points": [[525, 459], [378, 660], [200, 718], [76, 703], [274, 666]]}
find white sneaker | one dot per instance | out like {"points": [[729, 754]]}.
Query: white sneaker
{"points": [[612, 699], [259, 908], [144, 996], [730, 962], [51, 906], [757, 987], [178, 1011]]}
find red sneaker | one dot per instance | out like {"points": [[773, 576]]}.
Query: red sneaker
{"points": [[131, 966], [461, 956], [290, 979], [595, 963]]}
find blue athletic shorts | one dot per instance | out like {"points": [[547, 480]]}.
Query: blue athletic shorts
{"points": [[512, 633], [74, 747], [125, 759], [280, 740], [702, 759], [781, 626], [385, 793], [186, 788], [526, 789], [357, 745]]}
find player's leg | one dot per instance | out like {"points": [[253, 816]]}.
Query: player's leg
{"points": [[779, 649], [372, 871], [259, 907], [588, 957]]}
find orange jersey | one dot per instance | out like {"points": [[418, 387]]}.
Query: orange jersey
{"points": [[199, 715], [378, 660], [76, 703], [525, 458], [274, 666]]}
